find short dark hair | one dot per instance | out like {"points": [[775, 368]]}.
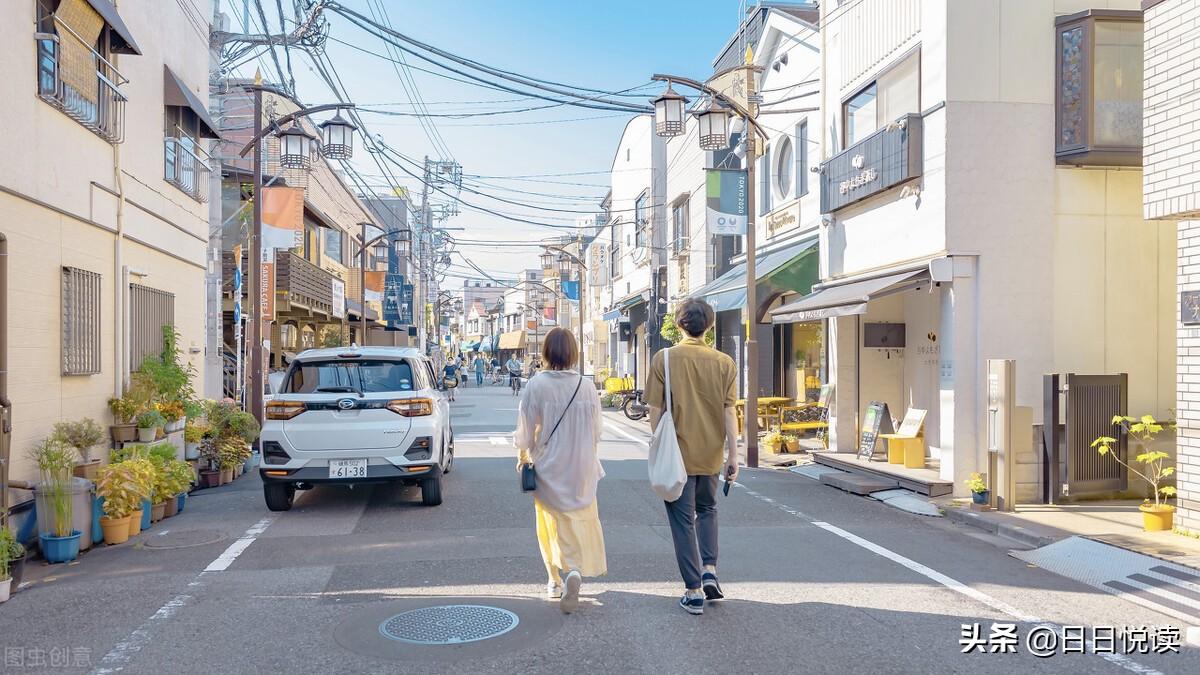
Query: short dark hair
{"points": [[559, 350], [695, 316]]}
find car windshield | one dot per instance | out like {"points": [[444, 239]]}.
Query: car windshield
{"points": [[344, 376]]}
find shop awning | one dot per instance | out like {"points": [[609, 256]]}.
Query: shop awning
{"points": [[791, 268], [122, 41], [844, 299], [485, 345], [623, 306], [612, 314], [513, 340], [176, 93]]}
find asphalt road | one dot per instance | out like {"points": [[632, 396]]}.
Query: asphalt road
{"points": [[818, 580]]}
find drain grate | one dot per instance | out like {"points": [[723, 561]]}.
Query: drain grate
{"points": [[449, 624]]}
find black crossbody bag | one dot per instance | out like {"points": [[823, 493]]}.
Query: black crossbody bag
{"points": [[528, 473]]}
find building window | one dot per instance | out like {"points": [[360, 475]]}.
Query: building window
{"points": [[679, 227], [764, 183], [642, 220], [149, 310], [80, 322], [615, 260], [784, 167], [896, 92], [185, 163], [1099, 85], [802, 159], [333, 245]]}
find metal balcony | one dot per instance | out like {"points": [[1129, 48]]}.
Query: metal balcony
{"points": [[99, 106], [187, 167]]}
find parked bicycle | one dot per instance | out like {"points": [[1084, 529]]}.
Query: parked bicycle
{"points": [[633, 404]]}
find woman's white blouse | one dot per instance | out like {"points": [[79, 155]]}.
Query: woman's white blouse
{"points": [[568, 467]]}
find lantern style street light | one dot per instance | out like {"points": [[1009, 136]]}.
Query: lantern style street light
{"points": [[295, 147], [668, 113], [337, 137], [714, 125]]}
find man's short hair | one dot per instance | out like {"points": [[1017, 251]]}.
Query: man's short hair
{"points": [[695, 317]]}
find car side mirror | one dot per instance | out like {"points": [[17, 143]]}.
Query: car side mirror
{"points": [[450, 382]]}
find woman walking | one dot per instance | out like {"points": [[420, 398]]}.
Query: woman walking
{"points": [[451, 371], [558, 431]]}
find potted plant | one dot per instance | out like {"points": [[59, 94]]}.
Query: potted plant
{"points": [[979, 488], [143, 475], [178, 480], [174, 414], [119, 484], [211, 475], [55, 461], [124, 410], [149, 424], [82, 435], [773, 441], [229, 455], [193, 433], [791, 443], [1157, 516], [12, 563]]}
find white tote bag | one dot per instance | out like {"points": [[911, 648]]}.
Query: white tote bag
{"points": [[667, 475]]}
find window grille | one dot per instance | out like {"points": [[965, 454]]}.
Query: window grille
{"points": [[149, 310], [80, 322]]}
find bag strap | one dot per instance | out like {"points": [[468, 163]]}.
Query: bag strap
{"points": [[667, 378], [564, 412]]}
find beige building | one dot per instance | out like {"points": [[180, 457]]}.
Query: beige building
{"points": [[1171, 182], [103, 197]]}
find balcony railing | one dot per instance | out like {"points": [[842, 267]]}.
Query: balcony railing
{"points": [[300, 282], [95, 101], [186, 166]]}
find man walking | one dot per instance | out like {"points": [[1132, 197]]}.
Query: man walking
{"points": [[703, 393], [479, 366]]}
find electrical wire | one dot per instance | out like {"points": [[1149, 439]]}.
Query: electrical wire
{"points": [[287, 53], [262, 15]]}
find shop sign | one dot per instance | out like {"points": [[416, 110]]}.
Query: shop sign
{"points": [[881, 161], [876, 420], [1189, 308], [782, 220], [339, 299]]}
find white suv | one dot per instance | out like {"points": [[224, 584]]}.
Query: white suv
{"points": [[356, 415]]}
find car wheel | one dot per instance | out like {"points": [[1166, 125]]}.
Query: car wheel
{"points": [[431, 490], [448, 457], [279, 495]]}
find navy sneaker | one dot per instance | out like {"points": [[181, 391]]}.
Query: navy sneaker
{"points": [[692, 605], [712, 588]]}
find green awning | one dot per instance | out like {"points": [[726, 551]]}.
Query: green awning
{"points": [[794, 268]]}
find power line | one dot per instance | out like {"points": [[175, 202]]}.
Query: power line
{"points": [[262, 15]]}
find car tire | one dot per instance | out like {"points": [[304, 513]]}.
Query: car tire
{"points": [[279, 496], [448, 457], [431, 490]]}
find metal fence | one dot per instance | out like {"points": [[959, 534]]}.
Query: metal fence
{"points": [[149, 310], [80, 322], [75, 78]]}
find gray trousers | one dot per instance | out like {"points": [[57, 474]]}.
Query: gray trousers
{"points": [[693, 519]]}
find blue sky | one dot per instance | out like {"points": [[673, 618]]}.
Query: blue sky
{"points": [[610, 45]]}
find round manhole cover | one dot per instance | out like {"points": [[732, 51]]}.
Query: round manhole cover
{"points": [[169, 539], [449, 624]]}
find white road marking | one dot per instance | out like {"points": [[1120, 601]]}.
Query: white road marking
{"points": [[498, 440], [621, 432], [120, 655]]}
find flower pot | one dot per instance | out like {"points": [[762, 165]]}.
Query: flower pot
{"points": [[158, 511], [5, 584], [981, 497], [60, 549], [792, 445], [147, 514], [1157, 517], [146, 435], [16, 570], [123, 433], [159, 433], [135, 523], [170, 507], [87, 469], [191, 451], [774, 446], [210, 478], [181, 500], [226, 475], [116, 530]]}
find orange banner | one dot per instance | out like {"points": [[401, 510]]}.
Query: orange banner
{"points": [[374, 290], [282, 217]]}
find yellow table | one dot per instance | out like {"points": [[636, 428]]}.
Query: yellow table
{"points": [[906, 450], [768, 408]]}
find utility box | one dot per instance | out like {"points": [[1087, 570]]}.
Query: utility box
{"points": [[1001, 383]]}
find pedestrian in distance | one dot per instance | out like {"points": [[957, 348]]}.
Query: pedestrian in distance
{"points": [[479, 367], [558, 432], [451, 371], [703, 394], [515, 369]]}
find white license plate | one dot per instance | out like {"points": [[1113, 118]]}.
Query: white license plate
{"points": [[347, 468]]}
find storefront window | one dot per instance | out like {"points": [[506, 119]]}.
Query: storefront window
{"points": [[807, 368]]}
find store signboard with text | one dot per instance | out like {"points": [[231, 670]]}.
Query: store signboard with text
{"points": [[879, 162]]}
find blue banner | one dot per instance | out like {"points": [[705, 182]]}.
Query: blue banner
{"points": [[571, 290], [406, 304], [393, 291]]}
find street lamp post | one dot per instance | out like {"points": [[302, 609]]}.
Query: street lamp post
{"points": [[295, 146], [400, 241], [714, 124], [566, 260]]}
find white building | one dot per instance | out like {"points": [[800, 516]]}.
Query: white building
{"points": [[970, 216]]}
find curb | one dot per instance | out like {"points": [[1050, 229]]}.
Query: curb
{"points": [[1017, 533]]}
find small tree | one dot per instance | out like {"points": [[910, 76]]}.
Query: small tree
{"points": [[1143, 431], [673, 334]]}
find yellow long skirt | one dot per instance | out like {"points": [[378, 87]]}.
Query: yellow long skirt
{"points": [[571, 540]]}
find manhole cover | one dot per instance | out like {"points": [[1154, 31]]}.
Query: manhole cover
{"points": [[182, 538], [449, 624]]}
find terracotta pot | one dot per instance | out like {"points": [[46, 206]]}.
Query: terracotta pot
{"points": [[210, 478], [135, 523], [1157, 518], [87, 469], [116, 530], [226, 476], [123, 433], [792, 445], [157, 511], [172, 507]]}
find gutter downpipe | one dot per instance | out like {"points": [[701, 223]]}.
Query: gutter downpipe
{"points": [[119, 273], [5, 404]]}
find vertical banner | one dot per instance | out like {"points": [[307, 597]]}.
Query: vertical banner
{"points": [[406, 304], [373, 292], [571, 289], [392, 296], [339, 299], [725, 192], [266, 285], [282, 217]]}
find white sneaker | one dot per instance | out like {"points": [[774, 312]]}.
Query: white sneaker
{"points": [[570, 595], [553, 590]]}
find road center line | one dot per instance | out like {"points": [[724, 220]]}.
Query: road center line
{"points": [[119, 656], [621, 432]]}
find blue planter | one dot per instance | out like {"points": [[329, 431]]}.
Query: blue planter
{"points": [[182, 500], [97, 511], [60, 549], [146, 506], [980, 497]]}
